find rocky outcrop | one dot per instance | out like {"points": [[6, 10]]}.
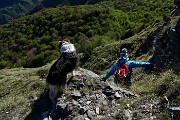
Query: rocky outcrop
{"points": [[88, 98], [167, 42]]}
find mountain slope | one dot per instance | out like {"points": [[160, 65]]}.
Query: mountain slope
{"points": [[32, 40], [24, 93], [12, 9], [49, 3]]}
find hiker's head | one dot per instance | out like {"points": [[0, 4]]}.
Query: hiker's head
{"points": [[124, 52]]}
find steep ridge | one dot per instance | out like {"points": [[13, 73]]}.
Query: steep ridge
{"points": [[159, 43]]}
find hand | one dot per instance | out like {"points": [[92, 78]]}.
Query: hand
{"points": [[103, 79]]}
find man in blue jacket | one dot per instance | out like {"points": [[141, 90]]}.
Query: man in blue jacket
{"points": [[124, 59]]}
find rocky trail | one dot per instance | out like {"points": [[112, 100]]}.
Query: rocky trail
{"points": [[88, 98]]}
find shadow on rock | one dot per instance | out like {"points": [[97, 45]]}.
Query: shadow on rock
{"points": [[39, 106]]}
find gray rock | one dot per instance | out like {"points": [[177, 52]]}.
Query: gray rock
{"points": [[69, 105], [127, 114], [87, 119], [88, 73], [105, 103], [82, 110], [74, 102], [117, 95], [76, 94], [80, 117], [88, 102], [97, 110], [90, 114], [113, 115]]}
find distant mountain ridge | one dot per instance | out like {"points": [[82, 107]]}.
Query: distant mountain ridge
{"points": [[49, 3], [11, 9]]}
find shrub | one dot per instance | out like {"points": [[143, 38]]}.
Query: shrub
{"points": [[42, 72], [38, 60], [20, 63], [3, 64], [90, 33]]}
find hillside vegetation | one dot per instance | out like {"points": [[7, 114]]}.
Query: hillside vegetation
{"points": [[11, 9], [49, 3], [31, 41], [98, 31], [24, 92]]}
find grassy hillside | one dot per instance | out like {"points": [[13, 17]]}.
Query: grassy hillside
{"points": [[98, 32], [31, 41], [20, 88], [23, 90]]}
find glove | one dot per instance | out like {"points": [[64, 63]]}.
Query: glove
{"points": [[103, 79]]}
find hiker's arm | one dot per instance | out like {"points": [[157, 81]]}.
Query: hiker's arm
{"points": [[135, 64], [115, 67], [111, 71]]}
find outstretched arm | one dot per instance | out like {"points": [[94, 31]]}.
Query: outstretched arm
{"points": [[134, 64], [111, 71]]}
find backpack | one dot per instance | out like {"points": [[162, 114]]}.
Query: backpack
{"points": [[121, 73]]}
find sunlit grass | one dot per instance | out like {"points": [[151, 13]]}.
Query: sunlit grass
{"points": [[19, 88]]}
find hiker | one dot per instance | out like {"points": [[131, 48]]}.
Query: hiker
{"points": [[127, 71]]}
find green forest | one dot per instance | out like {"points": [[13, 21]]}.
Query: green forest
{"points": [[12, 9], [32, 40]]}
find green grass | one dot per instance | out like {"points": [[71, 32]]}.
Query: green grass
{"points": [[19, 88]]}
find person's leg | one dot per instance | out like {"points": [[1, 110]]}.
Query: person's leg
{"points": [[115, 79], [128, 81]]}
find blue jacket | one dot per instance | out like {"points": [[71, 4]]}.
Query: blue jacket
{"points": [[130, 64]]}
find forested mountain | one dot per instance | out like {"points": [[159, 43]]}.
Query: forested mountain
{"points": [[31, 41], [11, 9], [50, 3]]}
